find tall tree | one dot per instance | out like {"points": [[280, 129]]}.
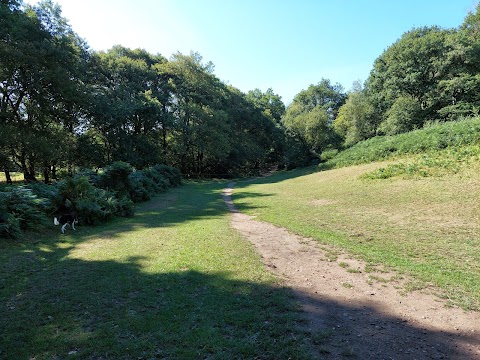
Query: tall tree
{"points": [[269, 102], [125, 109], [411, 68], [39, 75], [353, 120], [458, 89], [311, 114]]}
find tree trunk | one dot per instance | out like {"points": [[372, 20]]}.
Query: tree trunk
{"points": [[8, 177], [46, 174], [27, 175]]}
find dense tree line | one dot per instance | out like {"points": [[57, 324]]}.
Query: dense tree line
{"points": [[63, 106], [430, 74]]}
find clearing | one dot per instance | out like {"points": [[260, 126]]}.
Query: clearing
{"points": [[354, 312]]}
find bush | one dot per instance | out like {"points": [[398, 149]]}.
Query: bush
{"points": [[115, 178], [91, 204], [20, 209], [141, 187], [173, 175], [119, 187], [9, 224], [433, 137]]}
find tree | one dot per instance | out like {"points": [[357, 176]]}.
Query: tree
{"points": [[39, 84], [403, 116], [458, 89], [411, 68], [270, 103], [128, 106], [200, 133], [353, 120], [311, 114]]}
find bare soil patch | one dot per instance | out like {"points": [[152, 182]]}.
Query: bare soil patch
{"points": [[352, 313]]}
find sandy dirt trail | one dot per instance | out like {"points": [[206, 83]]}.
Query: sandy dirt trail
{"points": [[351, 316]]}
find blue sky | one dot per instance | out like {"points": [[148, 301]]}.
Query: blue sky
{"points": [[285, 45]]}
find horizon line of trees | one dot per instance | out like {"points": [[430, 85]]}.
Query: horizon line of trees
{"points": [[64, 106]]}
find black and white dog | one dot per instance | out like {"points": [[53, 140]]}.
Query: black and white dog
{"points": [[66, 219]]}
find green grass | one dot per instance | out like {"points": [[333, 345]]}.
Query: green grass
{"points": [[173, 282], [16, 177], [431, 163], [427, 228]]}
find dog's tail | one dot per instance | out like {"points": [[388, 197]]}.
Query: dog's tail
{"points": [[55, 221]]}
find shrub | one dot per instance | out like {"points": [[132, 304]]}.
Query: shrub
{"points": [[115, 177], [173, 175], [141, 187], [92, 205], [20, 209], [9, 224]]}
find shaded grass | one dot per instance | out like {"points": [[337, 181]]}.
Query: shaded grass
{"points": [[173, 282], [427, 228]]}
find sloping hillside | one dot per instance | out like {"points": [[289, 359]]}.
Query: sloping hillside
{"points": [[424, 223]]}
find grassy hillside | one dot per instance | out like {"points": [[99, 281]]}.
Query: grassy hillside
{"points": [[457, 141], [424, 222], [173, 282]]}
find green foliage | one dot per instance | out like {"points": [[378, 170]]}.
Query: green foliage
{"points": [[115, 177], [26, 207], [91, 204], [352, 122], [173, 175], [20, 209], [434, 137], [403, 116], [9, 224], [436, 163], [309, 117]]}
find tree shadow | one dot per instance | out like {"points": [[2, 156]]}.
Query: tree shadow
{"points": [[365, 331], [280, 176], [57, 307]]}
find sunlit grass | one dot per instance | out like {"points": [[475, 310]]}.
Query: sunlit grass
{"points": [[427, 228], [173, 282]]}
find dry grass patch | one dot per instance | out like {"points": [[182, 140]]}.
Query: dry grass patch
{"points": [[428, 227]]}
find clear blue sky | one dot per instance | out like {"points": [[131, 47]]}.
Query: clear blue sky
{"points": [[282, 44]]}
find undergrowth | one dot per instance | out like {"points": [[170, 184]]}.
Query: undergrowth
{"points": [[463, 135]]}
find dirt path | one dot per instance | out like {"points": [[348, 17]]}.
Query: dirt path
{"points": [[350, 315]]}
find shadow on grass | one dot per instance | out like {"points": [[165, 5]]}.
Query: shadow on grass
{"points": [[55, 308]]}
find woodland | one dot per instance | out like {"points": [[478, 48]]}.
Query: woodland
{"points": [[65, 107]]}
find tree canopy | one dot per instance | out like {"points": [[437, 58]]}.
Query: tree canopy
{"points": [[64, 106], [429, 74]]}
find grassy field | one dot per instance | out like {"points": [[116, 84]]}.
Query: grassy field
{"points": [[173, 282], [16, 177], [425, 227]]}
